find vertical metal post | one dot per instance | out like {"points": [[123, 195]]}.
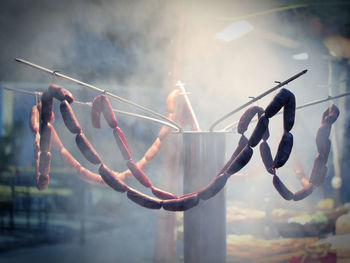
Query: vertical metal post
{"points": [[205, 224]]}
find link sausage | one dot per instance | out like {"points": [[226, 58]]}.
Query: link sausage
{"points": [[259, 131], [144, 200], [289, 113], [282, 189], [69, 118], [266, 157], [181, 204], [284, 150], [214, 187], [122, 143], [247, 118], [86, 149], [277, 103], [111, 179], [301, 194], [161, 194], [139, 175], [240, 161]]}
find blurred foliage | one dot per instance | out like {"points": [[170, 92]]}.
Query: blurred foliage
{"points": [[10, 143]]}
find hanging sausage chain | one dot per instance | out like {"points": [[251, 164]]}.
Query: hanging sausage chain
{"points": [[168, 201]]}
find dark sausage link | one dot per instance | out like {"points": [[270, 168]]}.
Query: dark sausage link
{"points": [[259, 131], [305, 192], [69, 118], [122, 143], [282, 189], [161, 194], [181, 204], [46, 108], [332, 114], [60, 93], [277, 103], [240, 161], [214, 187], [144, 200], [137, 172], [111, 179], [284, 150], [266, 157], [86, 149], [289, 113], [247, 118], [324, 147], [318, 170], [323, 133]]}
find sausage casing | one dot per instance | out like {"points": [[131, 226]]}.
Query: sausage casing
{"points": [[122, 143], [144, 200], [86, 149], [69, 118]]}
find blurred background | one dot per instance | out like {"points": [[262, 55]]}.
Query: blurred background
{"points": [[226, 52]]}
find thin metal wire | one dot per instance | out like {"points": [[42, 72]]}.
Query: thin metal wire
{"points": [[38, 93], [311, 103], [86, 85], [257, 98]]}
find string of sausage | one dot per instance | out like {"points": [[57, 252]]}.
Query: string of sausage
{"points": [[286, 100]]}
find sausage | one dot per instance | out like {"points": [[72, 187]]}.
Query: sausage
{"points": [[318, 170], [96, 112], [55, 141], [86, 149], [108, 113], [181, 204], [36, 146], [44, 163], [144, 200], [69, 160], [331, 114], [266, 157], [45, 136], [266, 134], [320, 177], [138, 174], [170, 101], [284, 150], [153, 150], [111, 179], [323, 147], [90, 177], [323, 133], [247, 118], [46, 108], [277, 102], [214, 187], [42, 181], [69, 118], [161, 194], [142, 163], [259, 131], [240, 161], [52, 119], [122, 143], [301, 194], [60, 93], [282, 189], [163, 133], [34, 119], [289, 113]]}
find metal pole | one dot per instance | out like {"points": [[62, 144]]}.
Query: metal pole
{"points": [[205, 224]]}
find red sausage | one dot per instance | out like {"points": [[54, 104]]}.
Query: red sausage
{"points": [[153, 150], [214, 187], [289, 113], [163, 133], [111, 179], [55, 141], [44, 163], [90, 177], [259, 131], [69, 160], [45, 136], [144, 200], [96, 112], [301, 194], [60, 93], [181, 204], [108, 112], [284, 150], [170, 101], [331, 114], [139, 175], [122, 143], [34, 119], [86, 149], [161, 194], [282, 189], [69, 118], [42, 181]]}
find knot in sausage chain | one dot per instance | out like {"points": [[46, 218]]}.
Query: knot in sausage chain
{"points": [[168, 201]]}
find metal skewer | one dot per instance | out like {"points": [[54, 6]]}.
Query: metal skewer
{"points": [[36, 93], [228, 127], [257, 98], [86, 85]]}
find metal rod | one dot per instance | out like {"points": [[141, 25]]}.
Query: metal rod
{"points": [[193, 115], [257, 98], [86, 85], [35, 93], [299, 107]]}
